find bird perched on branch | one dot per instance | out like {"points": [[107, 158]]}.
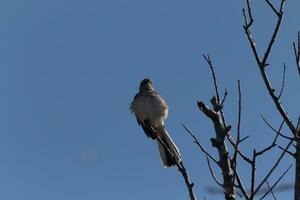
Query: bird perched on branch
{"points": [[151, 111]]}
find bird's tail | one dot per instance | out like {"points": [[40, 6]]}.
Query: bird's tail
{"points": [[168, 150]]}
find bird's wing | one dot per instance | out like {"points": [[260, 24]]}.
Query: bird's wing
{"points": [[148, 129]]}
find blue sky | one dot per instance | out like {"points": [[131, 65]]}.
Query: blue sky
{"points": [[69, 70]]}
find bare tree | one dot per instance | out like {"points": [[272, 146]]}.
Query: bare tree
{"points": [[262, 65], [232, 182]]}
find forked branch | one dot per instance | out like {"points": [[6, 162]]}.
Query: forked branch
{"points": [[262, 63]]}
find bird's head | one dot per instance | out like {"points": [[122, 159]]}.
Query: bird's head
{"points": [[146, 84]]}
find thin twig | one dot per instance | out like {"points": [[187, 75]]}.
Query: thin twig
{"points": [[219, 105], [266, 149], [188, 183], [224, 98], [209, 62], [262, 64], [267, 52], [272, 7], [273, 168], [196, 141], [298, 125], [253, 174], [181, 168], [240, 185], [249, 13], [212, 173], [283, 81], [297, 52], [230, 139], [273, 144], [276, 131], [244, 138], [289, 152], [273, 186], [235, 154], [271, 190]]}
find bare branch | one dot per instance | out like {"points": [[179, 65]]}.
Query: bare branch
{"points": [[262, 64], [253, 170], [196, 141], [240, 184], [287, 151], [277, 131], [272, 7], [298, 125], [234, 158], [217, 105], [279, 14], [273, 168], [252, 44], [271, 190], [265, 149], [273, 144], [208, 112], [224, 98], [236, 147], [297, 52], [230, 139], [283, 80], [273, 186], [250, 21], [181, 168], [188, 183], [209, 62], [212, 173], [219, 142], [244, 138]]}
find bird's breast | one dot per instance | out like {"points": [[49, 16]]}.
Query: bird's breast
{"points": [[151, 108]]}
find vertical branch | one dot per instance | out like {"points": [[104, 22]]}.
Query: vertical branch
{"points": [[253, 170], [297, 52], [236, 148], [283, 81], [221, 130], [297, 172], [216, 114], [219, 143], [261, 65], [218, 104], [208, 60], [298, 125]]}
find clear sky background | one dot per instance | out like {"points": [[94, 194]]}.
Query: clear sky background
{"points": [[69, 70]]}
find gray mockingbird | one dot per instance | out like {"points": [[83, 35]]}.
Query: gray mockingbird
{"points": [[151, 111]]}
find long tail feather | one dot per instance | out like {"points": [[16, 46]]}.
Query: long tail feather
{"points": [[169, 152]]}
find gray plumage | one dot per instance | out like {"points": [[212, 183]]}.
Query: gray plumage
{"points": [[151, 111]]}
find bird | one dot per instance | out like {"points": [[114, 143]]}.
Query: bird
{"points": [[151, 111]]}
